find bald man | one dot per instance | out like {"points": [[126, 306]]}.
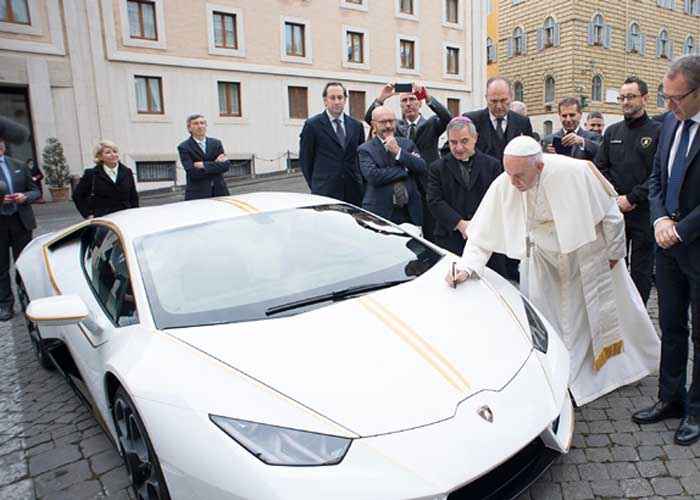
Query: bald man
{"points": [[391, 166]]}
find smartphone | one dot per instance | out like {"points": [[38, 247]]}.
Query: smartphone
{"points": [[560, 148], [403, 87]]}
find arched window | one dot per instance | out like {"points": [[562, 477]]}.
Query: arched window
{"points": [[490, 51], [549, 89], [518, 92], [635, 40], [518, 41], [688, 46], [598, 30], [549, 30], [660, 97], [597, 88], [663, 45], [548, 127]]}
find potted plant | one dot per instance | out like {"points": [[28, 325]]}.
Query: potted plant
{"points": [[56, 169]]}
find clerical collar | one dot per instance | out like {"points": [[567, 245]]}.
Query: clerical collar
{"points": [[637, 122], [467, 162]]}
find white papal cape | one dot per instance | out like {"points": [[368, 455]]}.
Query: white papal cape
{"points": [[574, 228]]}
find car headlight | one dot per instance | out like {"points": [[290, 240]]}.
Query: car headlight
{"points": [[283, 446], [540, 337]]}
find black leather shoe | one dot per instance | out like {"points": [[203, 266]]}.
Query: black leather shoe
{"points": [[688, 432], [660, 411]]}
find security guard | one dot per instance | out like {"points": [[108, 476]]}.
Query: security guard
{"points": [[625, 158]]}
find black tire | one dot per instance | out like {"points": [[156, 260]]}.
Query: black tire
{"points": [[42, 356], [140, 459]]}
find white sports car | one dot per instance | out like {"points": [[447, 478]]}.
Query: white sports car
{"points": [[286, 346]]}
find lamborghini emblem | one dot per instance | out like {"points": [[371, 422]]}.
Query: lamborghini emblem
{"points": [[646, 142], [485, 413]]}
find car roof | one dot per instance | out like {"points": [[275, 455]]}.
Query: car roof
{"points": [[137, 222]]}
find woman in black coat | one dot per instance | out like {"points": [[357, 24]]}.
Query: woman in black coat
{"points": [[107, 187]]}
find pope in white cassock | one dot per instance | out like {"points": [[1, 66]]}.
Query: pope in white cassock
{"points": [[558, 216]]}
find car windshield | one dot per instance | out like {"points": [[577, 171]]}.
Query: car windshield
{"points": [[274, 264]]}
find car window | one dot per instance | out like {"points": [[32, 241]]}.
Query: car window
{"points": [[237, 269], [104, 263]]}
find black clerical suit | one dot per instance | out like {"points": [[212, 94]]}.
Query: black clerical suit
{"points": [[208, 181], [455, 190], [678, 267], [625, 158], [16, 222], [591, 143], [97, 195], [425, 134]]}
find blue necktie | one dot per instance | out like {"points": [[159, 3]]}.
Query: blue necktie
{"points": [[7, 208], [675, 180]]}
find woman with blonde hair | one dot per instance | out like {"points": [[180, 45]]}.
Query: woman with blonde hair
{"points": [[107, 187]]}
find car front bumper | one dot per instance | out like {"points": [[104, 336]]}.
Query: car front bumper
{"points": [[457, 458]]}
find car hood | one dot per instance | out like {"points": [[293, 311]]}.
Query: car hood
{"points": [[388, 361]]}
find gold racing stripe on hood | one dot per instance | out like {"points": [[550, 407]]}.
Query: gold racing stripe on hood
{"points": [[422, 347], [246, 207]]}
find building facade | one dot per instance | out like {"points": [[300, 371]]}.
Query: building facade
{"points": [[586, 48], [132, 70]]}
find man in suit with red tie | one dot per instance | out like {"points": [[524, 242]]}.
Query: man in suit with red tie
{"points": [[674, 199], [328, 149], [204, 161]]}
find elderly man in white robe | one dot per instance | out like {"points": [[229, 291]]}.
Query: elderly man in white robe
{"points": [[558, 215]]}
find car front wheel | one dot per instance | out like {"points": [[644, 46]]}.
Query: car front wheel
{"points": [[139, 456], [40, 350]]}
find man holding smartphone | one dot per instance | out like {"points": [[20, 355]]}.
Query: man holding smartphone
{"points": [[16, 215], [572, 140], [424, 132]]}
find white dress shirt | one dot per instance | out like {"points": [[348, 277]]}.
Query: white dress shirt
{"points": [[494, 122], [677, 139], [341, 117]]}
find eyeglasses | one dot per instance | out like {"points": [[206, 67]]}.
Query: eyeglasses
{"points": [[385, 122], [676, 99], [628, 97]]}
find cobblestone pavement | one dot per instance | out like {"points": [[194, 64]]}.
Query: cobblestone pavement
{"points": [[51, 447]]}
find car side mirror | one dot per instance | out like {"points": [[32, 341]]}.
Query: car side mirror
{"points": [[59, 310]]}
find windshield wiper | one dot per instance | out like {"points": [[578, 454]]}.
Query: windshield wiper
{"points": [[335, 296]]}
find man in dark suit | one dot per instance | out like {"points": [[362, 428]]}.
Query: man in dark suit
{"points": [[496, 125], [423, 132], [16, 215], [204, 161], [457, 183], [391, 166], [328, 149], [580, 143], [674, 199]]}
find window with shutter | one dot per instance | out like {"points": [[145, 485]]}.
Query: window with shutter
{"points": [[298, 102]]}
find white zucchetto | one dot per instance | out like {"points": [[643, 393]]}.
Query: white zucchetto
{"points": [[523, 145]]}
